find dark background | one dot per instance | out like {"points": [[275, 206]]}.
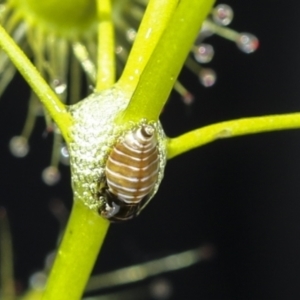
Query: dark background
{"points": [[241, 195]]}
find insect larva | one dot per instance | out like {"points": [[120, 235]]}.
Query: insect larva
{"points": [[131, 173]]}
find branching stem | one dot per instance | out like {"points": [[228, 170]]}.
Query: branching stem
{"points": [[227, 129]]}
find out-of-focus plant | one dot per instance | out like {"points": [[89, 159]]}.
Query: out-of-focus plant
{"points": [[93, 127]]}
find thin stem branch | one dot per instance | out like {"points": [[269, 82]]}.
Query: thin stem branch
{"points": [[227, 129], [154, 22], [224, 32], [164, 65], [77, 254], [54, 106], [155, 267], [106, 64]]}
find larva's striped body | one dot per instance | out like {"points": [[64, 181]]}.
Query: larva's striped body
{"points": [[131, 173]]}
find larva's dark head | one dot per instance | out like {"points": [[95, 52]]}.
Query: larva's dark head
{"points": [[117, 211]]}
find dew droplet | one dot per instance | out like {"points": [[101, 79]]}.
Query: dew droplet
{"points": [[188, 98], [59, 86], [38, 281], [18, 146], [119, 50], [222, 14], [64, 155], [247, 42], [51, 175], [49, 260], [203, 53], [161, 289], [130, 34], [207, 77]]}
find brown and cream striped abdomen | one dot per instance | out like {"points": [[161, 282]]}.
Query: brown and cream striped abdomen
{"points": [[132, 166]]}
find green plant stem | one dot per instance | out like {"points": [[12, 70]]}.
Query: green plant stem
{"points": [[7, 291], [106, 65], [227, 129], [77, 254], [54, 106], [157, 80], [154, 22]]}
